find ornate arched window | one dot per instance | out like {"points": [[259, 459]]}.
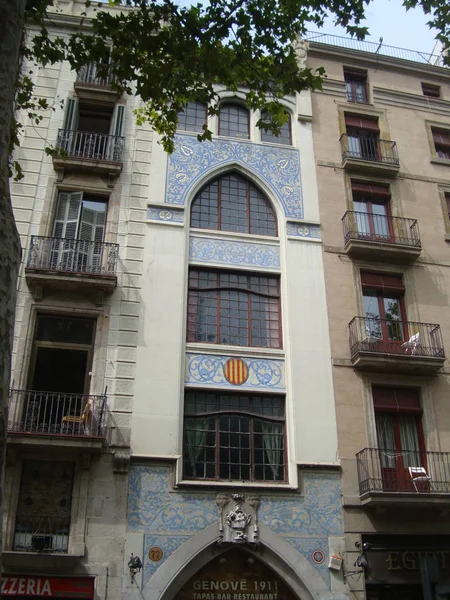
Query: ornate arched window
{"points": [[232, 203], [234, 120], [285, 136]]}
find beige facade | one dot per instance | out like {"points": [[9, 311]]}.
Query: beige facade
{"points": [[380, 264]]}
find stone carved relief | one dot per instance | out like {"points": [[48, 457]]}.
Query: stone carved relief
{"points": [[301, 51], [238, 522]]}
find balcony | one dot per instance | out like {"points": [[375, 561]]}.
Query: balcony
{"points": [[89, 152], [41, 533], [93, 83], [403, 477], [57, 419], [369, 155], [380, 237], [395, 346], [68, 264]]}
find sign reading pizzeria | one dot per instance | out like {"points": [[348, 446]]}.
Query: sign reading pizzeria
{"points": [[235, 575], [47, 587]]}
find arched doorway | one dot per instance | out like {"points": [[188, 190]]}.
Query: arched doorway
{"points": [[235, 575]]}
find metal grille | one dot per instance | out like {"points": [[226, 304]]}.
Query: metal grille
{"points": [[368, 147], [233, 308], [380, 228], [231, 203], [92, 146], [234, 437]]}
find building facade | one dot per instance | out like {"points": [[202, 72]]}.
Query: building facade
{"points": [[384, 197], [172, 428]]}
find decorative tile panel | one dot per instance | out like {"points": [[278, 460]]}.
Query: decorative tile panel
{"points": [[278, 168], [303, 230], [242, 254], [169, 518], [165, 215], [208, 370]]}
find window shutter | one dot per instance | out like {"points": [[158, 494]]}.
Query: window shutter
{"points": [[87, 222], [382, 282], [362, 123], [398, 399], [370, 189], [71, 114], [117, 121], [67, 214]]}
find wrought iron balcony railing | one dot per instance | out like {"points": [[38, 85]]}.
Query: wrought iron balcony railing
{"points": [[90, 145], [380, 228], [41, 533], [89, 74], [73, 256], [371, 149], [395, 337], [55, 413], [414, 471]]}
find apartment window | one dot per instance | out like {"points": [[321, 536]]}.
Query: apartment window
{"points": [[234, 120], [430, 90], [384, 309], [398, 417], [371, 211], [232, 203], [231, 436], [78, 229], [356, 85], [441, 139], [447, 203], [234, 308], [284, 137], [363, 136], [192, 117], [44, 507]]}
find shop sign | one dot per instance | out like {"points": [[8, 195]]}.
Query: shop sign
{"points": [[47, 587], [235, 575], [403, 566]]}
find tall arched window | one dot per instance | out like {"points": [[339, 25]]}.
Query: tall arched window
{"points": [[234, 120], [285, 136], [232, 203], [193, 117]]}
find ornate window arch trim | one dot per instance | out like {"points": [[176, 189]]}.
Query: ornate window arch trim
{"points": [[277, 553], [275, 170]]}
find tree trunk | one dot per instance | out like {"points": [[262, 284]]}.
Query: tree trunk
{"points": [[11, 26]]}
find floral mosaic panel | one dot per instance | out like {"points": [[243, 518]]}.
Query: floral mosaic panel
{"points": [[245, 254], [169, 518], [263, 374], [278, 168], [165, 215], [303, 230]]}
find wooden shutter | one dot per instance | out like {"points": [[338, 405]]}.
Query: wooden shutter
{"points": [[71, 114], [396, 399], [118, 120], [67, 215], [370, 189], [382, 282], [362, 123]]}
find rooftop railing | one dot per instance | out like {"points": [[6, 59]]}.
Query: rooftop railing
{"points": [[404, 471], [55, 413], [384, 229], [374, 48], [90, 145], [44, 534], [371, 149], [74, 256]]}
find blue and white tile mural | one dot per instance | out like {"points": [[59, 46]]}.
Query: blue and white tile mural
{"points": [[242, 254], [277, 167], [168, 518]]}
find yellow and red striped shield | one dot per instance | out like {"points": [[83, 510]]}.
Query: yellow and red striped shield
{"points": [[235, 371]]}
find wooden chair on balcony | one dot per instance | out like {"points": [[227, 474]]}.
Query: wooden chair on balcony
{"points": [[83, 421], [419, 475]]}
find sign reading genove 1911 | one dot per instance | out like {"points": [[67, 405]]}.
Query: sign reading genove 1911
{"points": [[235, 575], [47, 587]]}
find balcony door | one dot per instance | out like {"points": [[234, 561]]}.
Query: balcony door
{"points": [[400, 437], [372, 212], [59, 372], [384, 311], [363, 138], [78, 229]]}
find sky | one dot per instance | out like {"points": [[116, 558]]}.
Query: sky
{"points": [[389, 20]]}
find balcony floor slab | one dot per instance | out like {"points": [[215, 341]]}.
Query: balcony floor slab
{"points": [[382, 251], [396, 363]]}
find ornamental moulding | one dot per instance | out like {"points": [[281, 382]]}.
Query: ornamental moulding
{"points": [[238, 522], [278, 168], [243, 254]]}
